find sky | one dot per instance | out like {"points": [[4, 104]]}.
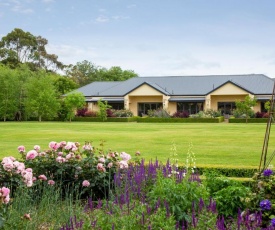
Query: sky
{"points": [[153, 37]]}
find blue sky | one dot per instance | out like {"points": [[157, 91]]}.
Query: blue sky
{"points": [[153, 37]]}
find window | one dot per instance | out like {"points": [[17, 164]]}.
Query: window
{"points": [[190, 107], [144, 107], [117, 106], [226, 107]]}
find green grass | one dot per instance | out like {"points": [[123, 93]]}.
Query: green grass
{"points": [[222, 144]]}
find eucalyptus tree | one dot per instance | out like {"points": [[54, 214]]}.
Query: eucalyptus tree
{"points": [[19, 46]]}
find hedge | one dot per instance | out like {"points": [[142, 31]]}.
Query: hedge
{"points": [[109, 119], [151, 119], [249, 120], [179, 120]]}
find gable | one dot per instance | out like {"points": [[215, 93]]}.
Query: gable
{"points": [[229, 89], [145, 90]]}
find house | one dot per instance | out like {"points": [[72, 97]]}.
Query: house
{"points": [[180, 93]]}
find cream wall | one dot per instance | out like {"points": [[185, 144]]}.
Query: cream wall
{"points": [[144, 93], [227, 93], [172, 107], [229, 89]]}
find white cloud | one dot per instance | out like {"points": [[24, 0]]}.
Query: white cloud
{"points": [[120, 17], [102, 19], [18, 7]]}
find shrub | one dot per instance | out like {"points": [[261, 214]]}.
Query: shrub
{"points": [[65, 163], [179, 195], [90, 114], [183, 114], [159, 113], [213, 113], [122, 113], [81, 112], [228, 194]]}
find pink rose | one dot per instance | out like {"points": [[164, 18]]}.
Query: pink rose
{"points": [[85, 183], [125, 156], [54, 145], [7, 160], [71, 146], [42, 177], [101, 160], [27, 177], [36, 148], [87, 147], [111, 155], [31, 155], [21, 148], [51, 182], [8, 166], [60, 159], [123, 164], [69, 156], [62, 144], [6, 199], [100, 167], [5, 191], [20, 167]]}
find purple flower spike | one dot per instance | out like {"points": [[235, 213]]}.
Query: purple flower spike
{"points": [[273, 222], [265, 205], [267, 172]]}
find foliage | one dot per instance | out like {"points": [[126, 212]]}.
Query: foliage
{"points": [[32, 208], [228, 194], [158, 113], [74, 101], [86, 72], [244, 107], [19, 46], [122, 113], [103, 106], [179, 195], [9, 93], [132, 215], [213, 113], [261, 115], [41, 97], [183, 114], [66, 164]]}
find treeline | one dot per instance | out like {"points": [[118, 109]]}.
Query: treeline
{"points": [[28, 95], [33, 82]]}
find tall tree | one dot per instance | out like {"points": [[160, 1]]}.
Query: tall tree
{"points": [[10, 84], [41, 97], [19, 46]]}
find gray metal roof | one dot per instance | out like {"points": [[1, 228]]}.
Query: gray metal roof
{"points": [[181, 85]]}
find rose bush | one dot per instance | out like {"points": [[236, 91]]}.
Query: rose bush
{"points": [[84, 169]]}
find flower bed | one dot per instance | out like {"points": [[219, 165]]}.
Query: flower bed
{"points": [[121, 191]]}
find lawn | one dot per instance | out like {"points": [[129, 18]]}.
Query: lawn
{"points": [[223, 144]]}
